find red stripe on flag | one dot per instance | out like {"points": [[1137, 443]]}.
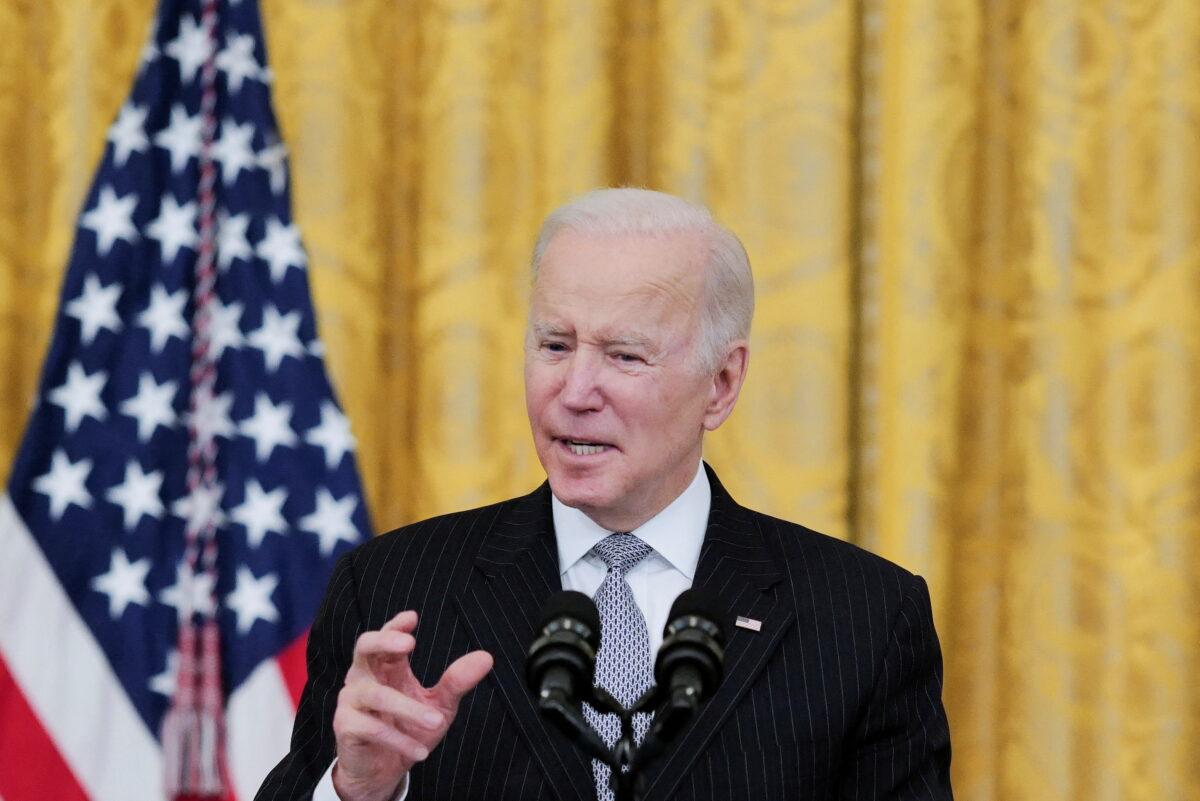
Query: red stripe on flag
{"points": [[292, 666], [32, 768]]}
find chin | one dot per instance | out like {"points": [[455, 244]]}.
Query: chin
{"points": [[580, 493]]}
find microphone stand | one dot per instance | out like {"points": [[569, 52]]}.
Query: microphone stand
{"points": [[627, 759]]}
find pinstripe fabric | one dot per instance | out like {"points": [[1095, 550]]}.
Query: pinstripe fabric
{"points": [[838, 697]]}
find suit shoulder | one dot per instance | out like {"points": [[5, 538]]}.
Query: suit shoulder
{"points": [[428, 539], [834, 580], [802, 547]]}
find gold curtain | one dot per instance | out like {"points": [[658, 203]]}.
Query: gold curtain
{"points": [[975, 227]]}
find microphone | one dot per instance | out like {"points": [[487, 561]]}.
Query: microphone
{"points": [[561, 667], [690, 663]]}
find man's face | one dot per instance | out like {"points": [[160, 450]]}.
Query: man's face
{"points": [[616, 407]]}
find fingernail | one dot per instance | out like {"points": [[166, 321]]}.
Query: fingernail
{"points": [[422, 752], [432, 719]]}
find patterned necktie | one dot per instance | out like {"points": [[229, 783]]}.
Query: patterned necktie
{"points": [[623, 664]]}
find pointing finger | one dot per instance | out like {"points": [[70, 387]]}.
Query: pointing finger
{"points": [[384, 655], [383, 650], [384, 643], [403, 621], [461, 677]]}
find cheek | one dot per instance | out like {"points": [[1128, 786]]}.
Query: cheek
{"points": [[534, 406], [537, 388]]}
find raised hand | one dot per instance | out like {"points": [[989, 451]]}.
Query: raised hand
{"points": [[386, 721]]}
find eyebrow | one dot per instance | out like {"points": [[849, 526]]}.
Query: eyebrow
{"points": [[608, 339], [548, 330], [626, 340]]}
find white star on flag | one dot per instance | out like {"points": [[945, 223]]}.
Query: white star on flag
{"points": [[200, 506], [269, 426], [224, 327], [231, 239], [152, 406], [280, 248], [251, 599], [163, 318], [181, 137], [164, 683], [150, 49], [174, 227], [95, 308], [237, 60], [190, 48], [124, 583], [79, 396], [234, 150], [331, 521], [261, 512], [110, 219], [276, 338], [211, 418], [189, 593], [65, 484], [128, 133], [332, 435], [137, 495], [273, 159]]}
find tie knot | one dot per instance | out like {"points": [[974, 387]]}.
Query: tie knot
{"points": [[621, 552]]}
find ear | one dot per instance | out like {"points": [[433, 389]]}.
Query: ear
{"points": [[726, 384]]}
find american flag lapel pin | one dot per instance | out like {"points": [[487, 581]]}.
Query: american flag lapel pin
{"points": [[748, 623]]}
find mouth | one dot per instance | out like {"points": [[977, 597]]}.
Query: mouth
{"points": [[584, 447]]}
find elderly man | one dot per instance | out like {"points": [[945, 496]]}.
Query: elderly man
{"points": [[637, 344]]}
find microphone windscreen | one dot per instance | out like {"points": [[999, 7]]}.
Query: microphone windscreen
{"points": [[575, 605], [699, 603]]}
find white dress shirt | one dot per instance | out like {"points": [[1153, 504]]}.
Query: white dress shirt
{"points": [[676, 535]]}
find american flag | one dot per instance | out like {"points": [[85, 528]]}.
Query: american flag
{"points": [[186, 465]]}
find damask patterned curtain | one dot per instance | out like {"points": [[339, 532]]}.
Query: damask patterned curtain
{"points": [[975, 226]]}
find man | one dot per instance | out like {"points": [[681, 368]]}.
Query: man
{"points": [[637, 344]]}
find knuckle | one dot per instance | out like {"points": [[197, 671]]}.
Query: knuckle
{"points": [[377, 730], [369, 696], [343, 725]]}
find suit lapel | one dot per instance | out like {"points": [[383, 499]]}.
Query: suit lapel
{"points": [[738, 567], [515, 571]]}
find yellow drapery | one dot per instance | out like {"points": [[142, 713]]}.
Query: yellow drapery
{"points": [[975, 228]]}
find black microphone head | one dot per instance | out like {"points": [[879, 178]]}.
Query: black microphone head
{"points": [[693, 643], [574, 605], [562, 658], [701, 604]]}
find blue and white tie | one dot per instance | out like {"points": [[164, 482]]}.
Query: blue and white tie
{"points": [[623, 664]]}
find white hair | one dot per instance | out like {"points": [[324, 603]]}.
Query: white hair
{"points": [[728, 303]]}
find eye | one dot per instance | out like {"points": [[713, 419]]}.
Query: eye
{"points": [[629, 358], [554, 347]]}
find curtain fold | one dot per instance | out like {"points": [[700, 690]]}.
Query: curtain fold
{"points": [[975, 229]]}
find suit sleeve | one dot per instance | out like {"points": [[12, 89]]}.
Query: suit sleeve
{"points": [[330, 651], [902, 752]]}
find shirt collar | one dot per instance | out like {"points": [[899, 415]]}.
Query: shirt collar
{"points": [[676, 533]]}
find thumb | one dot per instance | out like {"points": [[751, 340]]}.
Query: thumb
{"points": [[461, 677]]}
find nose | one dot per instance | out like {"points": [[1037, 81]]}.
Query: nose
{"points": [[581, 391]]}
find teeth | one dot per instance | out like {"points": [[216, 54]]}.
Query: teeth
{"points": [[584, 449]]}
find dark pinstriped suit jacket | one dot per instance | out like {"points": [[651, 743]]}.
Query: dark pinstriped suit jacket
{"points": [[837, 697]]}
